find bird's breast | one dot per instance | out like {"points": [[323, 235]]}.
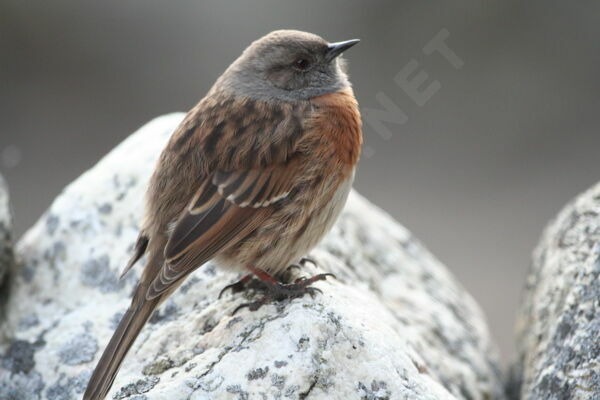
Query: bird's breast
{"points": [[336, 121]]}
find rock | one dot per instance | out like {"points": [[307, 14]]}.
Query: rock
{"points": [[394, 324], [558, 328], [6, 252]]}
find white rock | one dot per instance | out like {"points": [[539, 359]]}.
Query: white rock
{"points": [[559, 323], [393, 325]]}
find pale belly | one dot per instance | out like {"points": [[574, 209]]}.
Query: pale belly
{"points": [[283, 247]]}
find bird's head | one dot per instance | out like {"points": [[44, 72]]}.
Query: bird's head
{"points": [[288, 65]]}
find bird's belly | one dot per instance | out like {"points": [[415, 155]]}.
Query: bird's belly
{"points": [[274, 250], [291, 249]]}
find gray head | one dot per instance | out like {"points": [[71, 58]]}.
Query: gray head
{"points": [[287, 65]]}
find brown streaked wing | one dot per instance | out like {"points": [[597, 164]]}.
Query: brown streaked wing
{"points": [[227, 207], [259, 187]]}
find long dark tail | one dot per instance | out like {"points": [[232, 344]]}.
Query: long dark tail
{"points": [[132, 322]]}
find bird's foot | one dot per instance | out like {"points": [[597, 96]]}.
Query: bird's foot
{"points": [[248, 282], [278, 291]]}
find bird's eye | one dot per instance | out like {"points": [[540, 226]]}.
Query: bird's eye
{"points": [[302, 64]]}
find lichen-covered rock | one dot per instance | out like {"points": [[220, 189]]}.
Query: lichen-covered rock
{"points": [[559, 324], [393, 325], [6, 253]]}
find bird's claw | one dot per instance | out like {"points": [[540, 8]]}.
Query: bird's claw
{"points": [[253, 305], [293, 266], [308, 260], [280, 291], [236, 287]]}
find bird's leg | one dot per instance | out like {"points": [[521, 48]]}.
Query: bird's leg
{"points": [[264, 276], [278, 291]]}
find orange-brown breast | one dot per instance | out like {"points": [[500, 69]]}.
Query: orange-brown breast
{"points": [[337, 121]]}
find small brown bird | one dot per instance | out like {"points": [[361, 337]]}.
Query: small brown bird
{"points": [[253, 177]]}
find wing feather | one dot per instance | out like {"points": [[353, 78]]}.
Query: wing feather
{"points": [[227, 207]]}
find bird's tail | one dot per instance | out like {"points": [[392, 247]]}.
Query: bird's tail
{"points": [[120, 343]]}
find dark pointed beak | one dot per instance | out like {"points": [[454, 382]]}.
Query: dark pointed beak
{"points": [[337, 48]]}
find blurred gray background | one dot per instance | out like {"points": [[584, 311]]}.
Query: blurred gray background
{"points": [[475, 173]]}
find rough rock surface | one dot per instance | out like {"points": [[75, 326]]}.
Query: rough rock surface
{"points": [[394, 324], [559, 325], [6, 252]]}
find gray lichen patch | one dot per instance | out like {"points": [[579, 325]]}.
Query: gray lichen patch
{"points": [[66, 388], [141, 386], [96, 272], [28, 321], [158, 367], [19, 357], [237, 389], [278, 381], [257, 373], [189, 283], [105, 208], [168, 312], [376, 390], [21, 386], [79, 349]]}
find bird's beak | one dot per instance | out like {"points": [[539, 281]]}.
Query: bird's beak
{"points": [[337, 48]]}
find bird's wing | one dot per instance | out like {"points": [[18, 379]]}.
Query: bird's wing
{"points": [[227, 207]]}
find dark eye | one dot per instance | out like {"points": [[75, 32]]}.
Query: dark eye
{"points": [[302, 64]]}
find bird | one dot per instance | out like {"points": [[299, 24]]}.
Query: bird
{"points": [[252, 178]]}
